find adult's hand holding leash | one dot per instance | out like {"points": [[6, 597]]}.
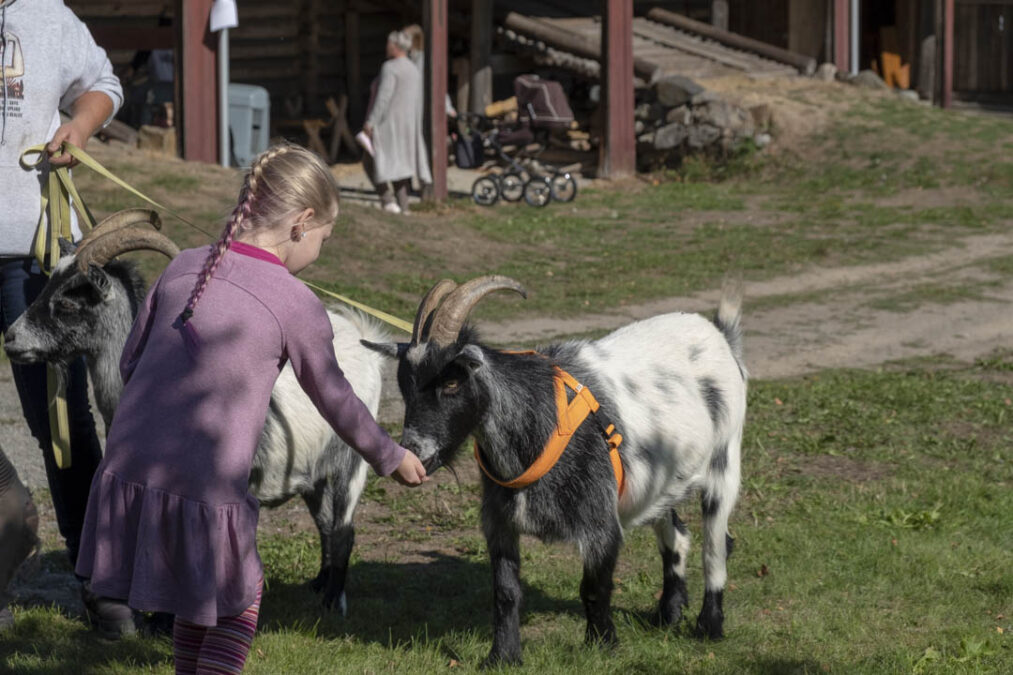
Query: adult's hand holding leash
{"points": [[71, 133], [90, 111]]}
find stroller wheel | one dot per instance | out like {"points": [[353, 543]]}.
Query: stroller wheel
{"points": [[538, 191], [511, 187], [564, 187], [485, 191]]}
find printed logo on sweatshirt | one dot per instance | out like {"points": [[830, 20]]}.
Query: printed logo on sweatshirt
{"points": [[12, 60]]}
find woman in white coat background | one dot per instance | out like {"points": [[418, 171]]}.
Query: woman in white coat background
{"points": [[394, 125]]}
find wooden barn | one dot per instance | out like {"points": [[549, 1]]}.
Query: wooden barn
{"points": [[316, 58], [970, 60]]}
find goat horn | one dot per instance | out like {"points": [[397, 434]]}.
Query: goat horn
{"points": [[428, 305], [118, 221], [108, 246], [450, 317]]}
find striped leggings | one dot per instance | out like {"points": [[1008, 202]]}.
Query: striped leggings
{"points": [[217, 649]]}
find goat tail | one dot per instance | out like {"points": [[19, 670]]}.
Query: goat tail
{"points": [[728, 318]]}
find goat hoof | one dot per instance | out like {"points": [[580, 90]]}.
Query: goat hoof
{"points": [[710, 622], [606, 639], [708, 628], [336, 601], [670, 609], [668, 616]]}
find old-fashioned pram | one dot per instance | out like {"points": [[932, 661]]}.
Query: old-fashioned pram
{"points": [[542, 107]]}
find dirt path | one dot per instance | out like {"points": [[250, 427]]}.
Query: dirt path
{"points": [[829, 318]]}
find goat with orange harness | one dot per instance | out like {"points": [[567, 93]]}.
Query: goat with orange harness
{"points": [[674, 384]]}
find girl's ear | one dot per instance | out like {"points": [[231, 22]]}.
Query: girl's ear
{"points": [[301, 223]]}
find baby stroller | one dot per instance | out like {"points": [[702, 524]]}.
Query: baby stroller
{"points": [[541, 108]]}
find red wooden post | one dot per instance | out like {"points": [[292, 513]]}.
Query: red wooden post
{"points": [[436, 78], [618, 157], [948, 18], [842, 35], [196, 91]]}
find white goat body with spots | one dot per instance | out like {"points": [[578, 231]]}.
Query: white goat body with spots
{"points": [[653, 370]]}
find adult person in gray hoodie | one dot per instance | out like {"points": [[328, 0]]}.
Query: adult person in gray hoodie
{"points": [[49, 63]]}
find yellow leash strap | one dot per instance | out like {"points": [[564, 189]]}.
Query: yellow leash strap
{"points": [[58, 194], [87, 160], [379, 314]]}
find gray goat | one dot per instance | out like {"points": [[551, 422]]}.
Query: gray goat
{"points": [[19, 524], [673, 385], [88, 307]]}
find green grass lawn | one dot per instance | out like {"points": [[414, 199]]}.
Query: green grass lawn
{"points": [[874, 535]]}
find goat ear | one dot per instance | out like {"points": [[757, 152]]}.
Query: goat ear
{"points": [[392, 350], [471, 357], [99, 280], [67, 247]]}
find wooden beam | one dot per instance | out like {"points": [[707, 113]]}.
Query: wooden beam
{"points": [[311, 56], [948, 18], [481, 50], [353, 75], [805, 64], [461, 68], [437, 33], [574, 43], [842, 33], [196, 82], [619, 158]]}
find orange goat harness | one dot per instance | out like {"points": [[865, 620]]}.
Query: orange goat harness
{"points": [[570, 414]]}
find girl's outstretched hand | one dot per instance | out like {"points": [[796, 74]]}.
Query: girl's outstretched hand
{"points": [[410, 472]]}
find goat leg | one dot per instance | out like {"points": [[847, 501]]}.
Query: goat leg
{"points": [[716, 547], [325, 504], [596, 591], [342, 539], [504, 554], [673, 544], [320, 507]]}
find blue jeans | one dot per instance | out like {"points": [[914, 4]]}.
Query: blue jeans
{"points": [[20, 283]]}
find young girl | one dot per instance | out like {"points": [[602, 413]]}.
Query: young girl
{"points": [[170, 524]]}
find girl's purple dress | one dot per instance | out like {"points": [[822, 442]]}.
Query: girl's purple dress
{"points": [[171, 525]]}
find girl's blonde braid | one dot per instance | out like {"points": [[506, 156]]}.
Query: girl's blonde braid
{"points": [[240, 214]]}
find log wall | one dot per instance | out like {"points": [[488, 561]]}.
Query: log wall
{"points": [[296, 50]]}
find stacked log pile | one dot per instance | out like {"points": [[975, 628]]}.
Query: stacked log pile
{"points": [[677, 117]]}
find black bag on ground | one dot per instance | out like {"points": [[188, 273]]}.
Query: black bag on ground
{"points": [[468, 152]]}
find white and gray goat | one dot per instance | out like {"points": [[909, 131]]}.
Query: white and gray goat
{"points": [[674, 386], [88, 307]]}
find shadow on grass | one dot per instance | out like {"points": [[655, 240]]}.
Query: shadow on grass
{"points": [[392, 603], [39, 646]]}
